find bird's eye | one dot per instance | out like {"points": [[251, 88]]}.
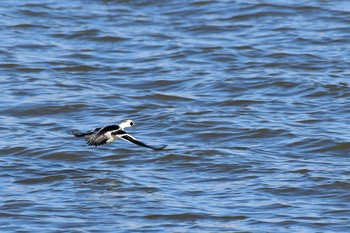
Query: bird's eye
{"points": [[131, 123]]}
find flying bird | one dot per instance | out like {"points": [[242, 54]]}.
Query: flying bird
{"points": [[110, 133]]}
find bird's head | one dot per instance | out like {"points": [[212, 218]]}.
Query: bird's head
{"points": [[126, 123]]}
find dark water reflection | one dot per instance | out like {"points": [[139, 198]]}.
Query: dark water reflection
{"points": [[251, 98]]}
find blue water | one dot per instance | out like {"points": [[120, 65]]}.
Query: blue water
{"points": [[252, 99]]}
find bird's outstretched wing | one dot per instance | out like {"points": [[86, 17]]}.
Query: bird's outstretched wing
{"points": [[129, 138], [97, 140]]}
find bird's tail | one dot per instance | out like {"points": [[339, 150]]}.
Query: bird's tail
{"points": [[77, 133]]}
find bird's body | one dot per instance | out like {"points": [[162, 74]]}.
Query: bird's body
{"points": [[110, 133]]}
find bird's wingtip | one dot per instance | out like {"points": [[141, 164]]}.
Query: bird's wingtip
{"points": [[160, 148]]}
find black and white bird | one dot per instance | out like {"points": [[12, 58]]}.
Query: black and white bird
{"points": [[110, 133]]}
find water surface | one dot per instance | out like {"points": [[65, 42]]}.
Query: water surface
{"points": [[252, 99]]}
